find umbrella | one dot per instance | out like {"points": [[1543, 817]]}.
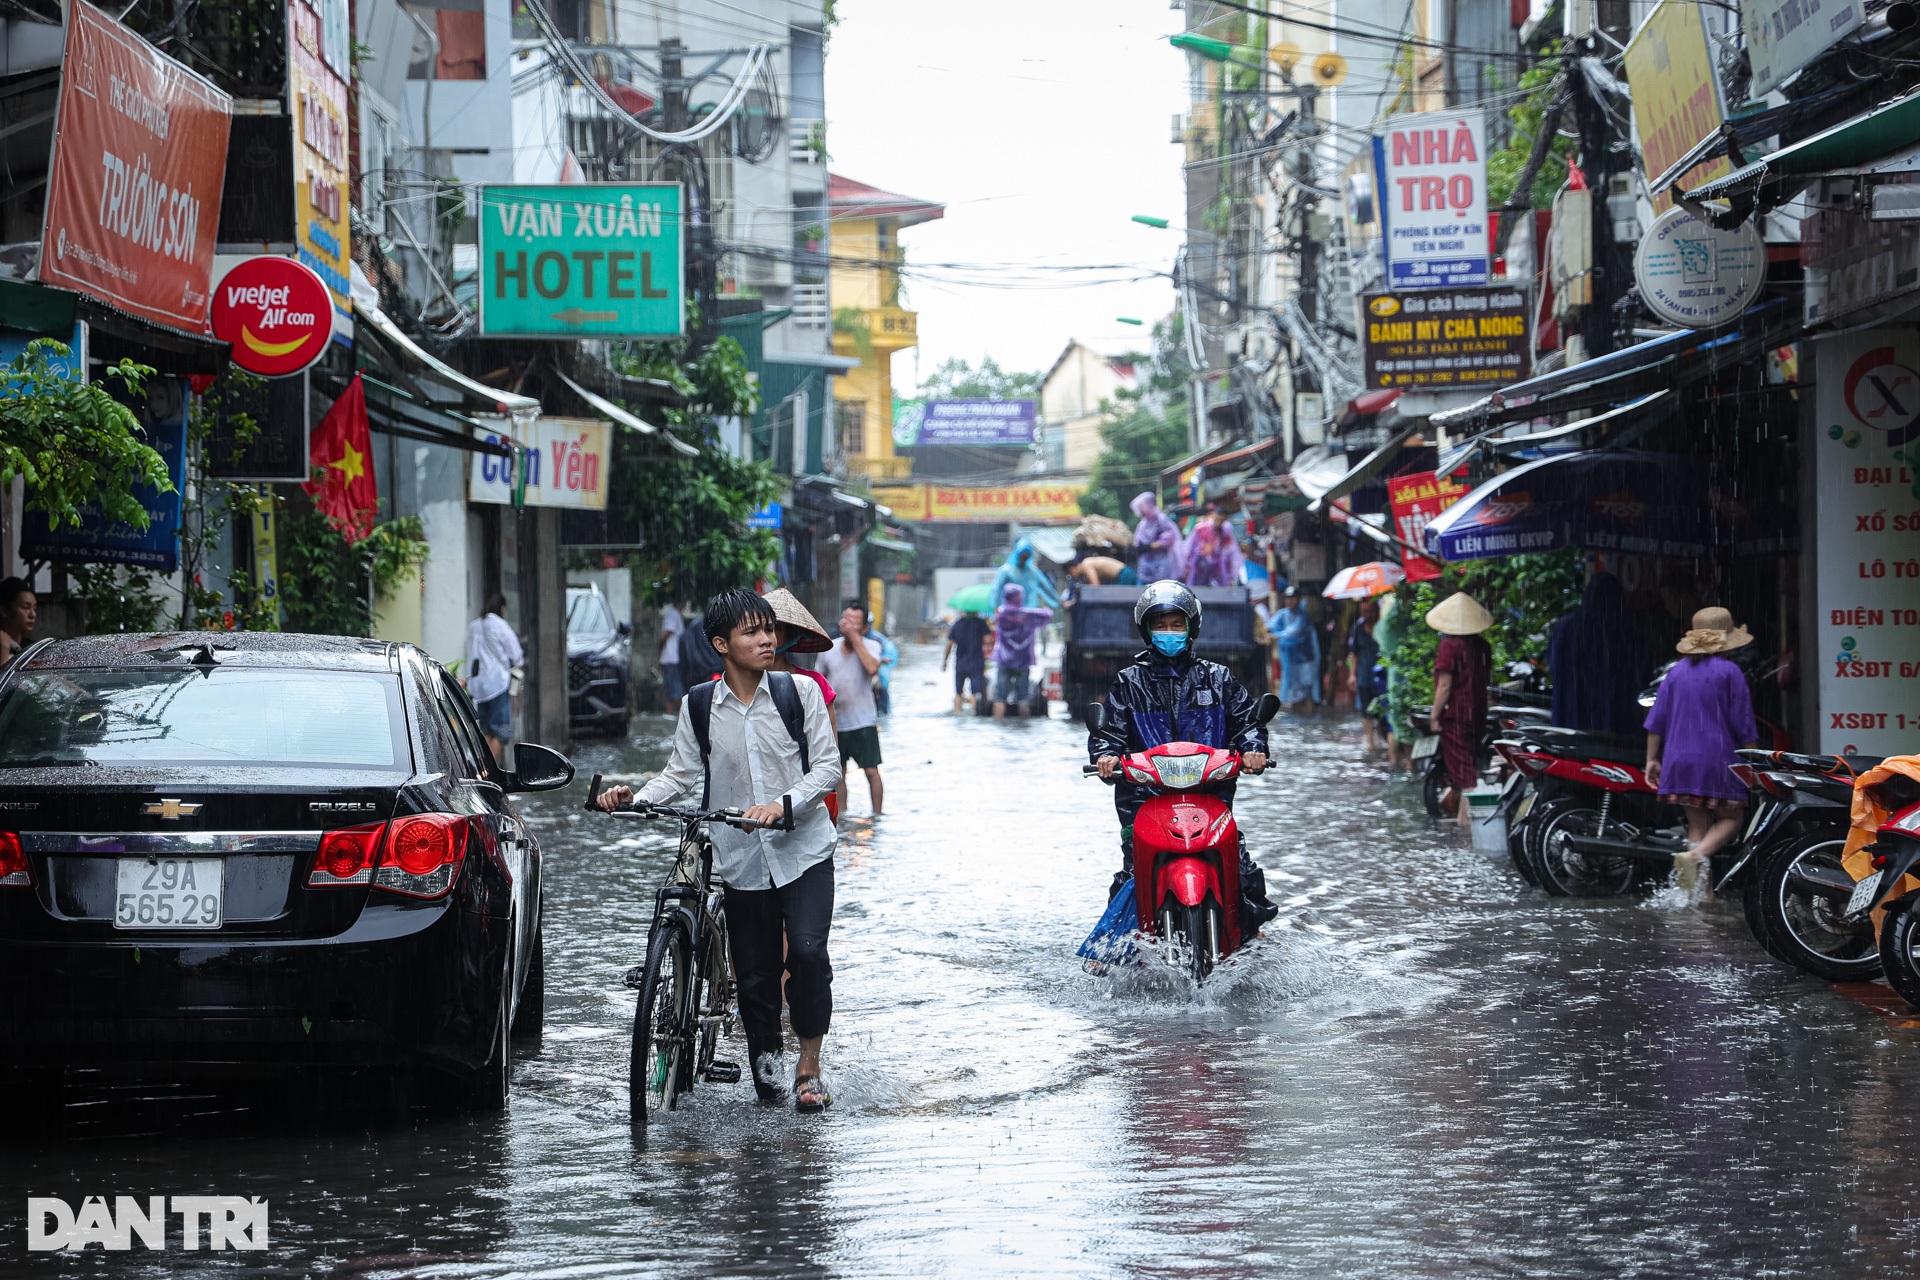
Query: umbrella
{"points": [[1358, 582], [977, 598]]}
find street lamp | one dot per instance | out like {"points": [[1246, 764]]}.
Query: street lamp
{"points": [[1205, 46], [1146, 220], [1129, 320]]}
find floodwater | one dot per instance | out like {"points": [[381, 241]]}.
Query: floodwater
{"points": [[1428, 1069]]}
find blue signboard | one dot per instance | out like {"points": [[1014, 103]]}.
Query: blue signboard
{"points": [[771, 516], [13, 343], [94, 540], [963, 422]]}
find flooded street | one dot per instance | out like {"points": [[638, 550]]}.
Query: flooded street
{"points": [[1427, 1069]]}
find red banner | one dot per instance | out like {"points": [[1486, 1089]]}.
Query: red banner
{"points": [[1416, 499], [139, 157]]}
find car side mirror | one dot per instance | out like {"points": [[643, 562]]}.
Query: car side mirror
{"points": [[1266, 709], [624, 628], [1096, 716], [538, 768]]}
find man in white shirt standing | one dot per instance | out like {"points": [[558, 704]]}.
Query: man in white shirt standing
{"points": [[671, 625], [779, 884], [493, 651], [850, 667]]}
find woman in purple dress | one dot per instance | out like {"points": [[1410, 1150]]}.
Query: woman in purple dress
{"points": [[1703, 714]]}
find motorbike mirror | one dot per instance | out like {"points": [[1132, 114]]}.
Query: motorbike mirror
{"points": [[1266, 709], [1096, 716]]}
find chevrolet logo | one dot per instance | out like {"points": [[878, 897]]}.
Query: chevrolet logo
{"points": [[172, 810]]}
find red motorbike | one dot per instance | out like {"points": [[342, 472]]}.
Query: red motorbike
{"points": [[1186, 846]]}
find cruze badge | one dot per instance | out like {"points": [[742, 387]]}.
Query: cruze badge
{"points": [[341, 806], [172, 810]]}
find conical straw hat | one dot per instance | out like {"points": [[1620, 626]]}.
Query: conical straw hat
{"points": [[788, 609], [1459, 615]]}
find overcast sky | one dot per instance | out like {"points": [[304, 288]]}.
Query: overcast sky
{"points": [[1043, 126]]}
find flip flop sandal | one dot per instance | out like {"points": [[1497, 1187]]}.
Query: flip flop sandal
{"points": [[809, 1095]]}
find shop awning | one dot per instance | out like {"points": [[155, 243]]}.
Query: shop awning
{"points": [[1317, 468], [1191, 461], [613, 412], [1616, 427], [890, 544], [1366, 469], [437, 370], [1858, 141], [1631, 373], [1619, 500], [394, 411], [1055, 544]]}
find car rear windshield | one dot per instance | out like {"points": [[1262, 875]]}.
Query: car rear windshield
{"points": [[231, 716]]}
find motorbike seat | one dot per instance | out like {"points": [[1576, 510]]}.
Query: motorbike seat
{"points": [[1625, 748]]}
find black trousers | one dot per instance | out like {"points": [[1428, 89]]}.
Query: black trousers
{"points": [[757, 921]]}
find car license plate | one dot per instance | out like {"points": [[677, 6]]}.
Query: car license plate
{"points": [[1525, 807], [169, 893], [1426, 746], [1863, 893]]}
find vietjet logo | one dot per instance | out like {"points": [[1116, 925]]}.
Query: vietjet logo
{"points": [[273, 350], [1506, 507]]}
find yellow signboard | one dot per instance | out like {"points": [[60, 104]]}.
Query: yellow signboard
{"points": [[1676, 95], [1021, 503], [317, 68]]}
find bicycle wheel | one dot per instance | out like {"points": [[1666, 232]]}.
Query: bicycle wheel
{"points": [[718, 1005], [662, 1025]]}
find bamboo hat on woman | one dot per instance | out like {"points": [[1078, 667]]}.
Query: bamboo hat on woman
{"points": [[1713, 632], [1459, 615], [787, 608]]}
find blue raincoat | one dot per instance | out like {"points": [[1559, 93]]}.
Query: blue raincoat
{"points": [[1023, 567]]}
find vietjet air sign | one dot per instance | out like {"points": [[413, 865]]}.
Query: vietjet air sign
{"points": [[276, 312]]}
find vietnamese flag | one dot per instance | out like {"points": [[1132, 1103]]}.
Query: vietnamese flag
{"points": [[340, 459]]}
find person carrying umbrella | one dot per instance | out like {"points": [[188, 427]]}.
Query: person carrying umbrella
{"points": [[1462, 672]]}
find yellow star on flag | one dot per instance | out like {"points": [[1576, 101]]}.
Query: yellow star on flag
{"points": [[351, 463]]}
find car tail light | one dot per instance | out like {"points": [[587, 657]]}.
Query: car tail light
{"points": [[1749, 777], [422, 855], [13, 861], [346, 856]]}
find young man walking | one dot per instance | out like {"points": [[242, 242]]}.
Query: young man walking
{"points": [[850, 667], [779, 884]]}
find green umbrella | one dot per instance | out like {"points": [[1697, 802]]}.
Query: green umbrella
{"points": [[977, 598]]}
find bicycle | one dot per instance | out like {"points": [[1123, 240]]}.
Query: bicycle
{"points": [[686, 986]]}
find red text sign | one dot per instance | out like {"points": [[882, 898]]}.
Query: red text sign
{"points": [[277, 314], [1416, 499], [139, 156]]}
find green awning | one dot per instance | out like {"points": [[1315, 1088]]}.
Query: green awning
{"points": [[1859, 141]]}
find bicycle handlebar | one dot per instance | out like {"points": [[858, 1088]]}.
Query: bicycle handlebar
{"points": [[730, 817]]}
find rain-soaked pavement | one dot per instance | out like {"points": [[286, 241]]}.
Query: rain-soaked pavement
{"points": [[1428, 1070]]}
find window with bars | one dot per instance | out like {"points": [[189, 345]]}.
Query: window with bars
{"points": [[851, 419]]}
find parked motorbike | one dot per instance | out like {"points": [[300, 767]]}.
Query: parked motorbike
{"points": [[1186, 847], [1883, 862], [1515, 708], [1590, 824], [1789, 863]]}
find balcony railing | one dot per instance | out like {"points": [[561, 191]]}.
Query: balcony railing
{"points": [[810, 306]]}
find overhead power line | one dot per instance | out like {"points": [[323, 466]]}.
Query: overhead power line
{"points": [[1382, 35]]}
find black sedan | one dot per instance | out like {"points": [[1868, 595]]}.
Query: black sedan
{"points": [[247, 850]]}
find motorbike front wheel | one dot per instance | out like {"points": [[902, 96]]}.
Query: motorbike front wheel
{"points": [[1203, 939], [1808, 929], [1568, 872], [1899, 935]]}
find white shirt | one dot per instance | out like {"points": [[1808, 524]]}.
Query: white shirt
{"points": [[755, 761], [852, 686], [493, 651], [671, 625]]}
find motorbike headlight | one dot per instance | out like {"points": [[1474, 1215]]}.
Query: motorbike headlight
{"points": [[1181, 771]]}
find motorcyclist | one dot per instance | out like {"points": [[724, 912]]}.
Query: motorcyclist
{"points": [[1167, 694]]}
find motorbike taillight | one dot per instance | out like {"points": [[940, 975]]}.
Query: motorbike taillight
{"points": [[1748, 775]]}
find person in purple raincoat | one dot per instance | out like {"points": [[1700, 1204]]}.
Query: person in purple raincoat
{"points": [[1701, 716], [1014, 627], [1156, 539], [1212, 554]]}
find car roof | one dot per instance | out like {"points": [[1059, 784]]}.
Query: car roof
{"points": [[159, 650]]}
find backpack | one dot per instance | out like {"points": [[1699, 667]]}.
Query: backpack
{"points": [[786, 700]]}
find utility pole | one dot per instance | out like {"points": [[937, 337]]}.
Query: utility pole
{"points": [[1609, 275]]}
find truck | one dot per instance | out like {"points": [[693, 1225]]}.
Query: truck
{"points": [[1101, 639]]}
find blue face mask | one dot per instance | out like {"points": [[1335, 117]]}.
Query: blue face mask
{"points": [[1171, 643]]}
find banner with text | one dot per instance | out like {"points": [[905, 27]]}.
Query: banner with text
{"points": [[1430, 176], [318, 66], [1416, 499], [1022, 503], [966, 422], [1867, 582], [1676, 94], [565, 461], [1446, 338], [133, 193]]}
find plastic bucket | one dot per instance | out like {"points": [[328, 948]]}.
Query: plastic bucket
{"points": [[1489, 831]]}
